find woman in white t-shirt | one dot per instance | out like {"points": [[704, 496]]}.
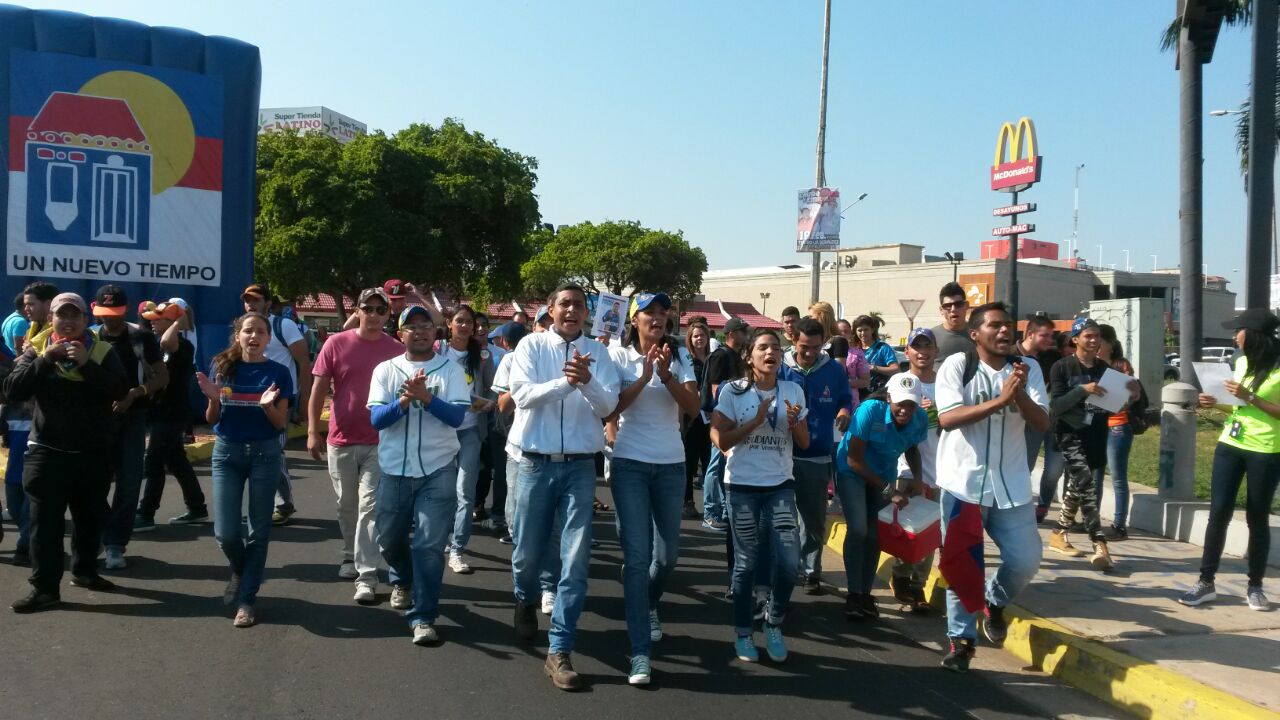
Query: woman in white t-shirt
{"points": [[465, 349], [648, 473], [756, 423]]}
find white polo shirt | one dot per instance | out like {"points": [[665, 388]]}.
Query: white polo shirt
{"points": [[419, 443], [553, 416], [649, 429], [985, 462]]}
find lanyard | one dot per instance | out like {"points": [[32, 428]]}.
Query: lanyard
{"points": [[773, 411]]}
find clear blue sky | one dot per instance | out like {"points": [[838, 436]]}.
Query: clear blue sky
{"points": [[702, 116]]}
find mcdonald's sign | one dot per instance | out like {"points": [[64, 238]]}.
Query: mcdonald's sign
{"points": [[1016, 166]]}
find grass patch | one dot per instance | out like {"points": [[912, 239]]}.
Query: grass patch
{"points": [[1144, 459]]}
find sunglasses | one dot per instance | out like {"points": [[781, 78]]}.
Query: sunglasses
{"points": [[954, 305], [374, 309]]}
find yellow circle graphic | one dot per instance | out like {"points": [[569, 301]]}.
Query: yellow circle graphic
{"points": [[163, 118]]}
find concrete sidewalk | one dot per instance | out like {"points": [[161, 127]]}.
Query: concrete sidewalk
{"points": [[1122, 636]]}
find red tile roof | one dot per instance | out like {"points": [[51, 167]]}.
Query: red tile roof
{"points": [[67, 112], [716, 319]]}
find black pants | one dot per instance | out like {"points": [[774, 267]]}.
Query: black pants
{"points": [[493, 472], [55, 481], [1230, 466], [166, 450], [697, 453]]}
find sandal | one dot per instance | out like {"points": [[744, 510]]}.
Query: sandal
{"points": [[599, 506], [244, 617]]}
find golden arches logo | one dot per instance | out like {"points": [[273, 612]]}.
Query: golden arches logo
{"points": [[1017, 164]]}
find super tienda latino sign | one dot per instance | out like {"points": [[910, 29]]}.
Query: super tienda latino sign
{"points": [[115, 171]]}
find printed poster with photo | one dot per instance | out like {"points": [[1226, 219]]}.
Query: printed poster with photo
{"points": [[610, 315]]}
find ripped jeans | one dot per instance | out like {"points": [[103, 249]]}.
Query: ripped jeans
{"points": [[753, 513]]}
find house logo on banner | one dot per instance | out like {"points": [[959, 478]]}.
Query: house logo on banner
{"points": [[115, 171]]}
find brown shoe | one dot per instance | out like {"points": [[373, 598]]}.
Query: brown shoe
{"points": [[561, 672], [1101, 559], [1058, 543], [245, 617]]}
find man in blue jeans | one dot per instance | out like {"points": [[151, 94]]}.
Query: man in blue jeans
{"points": [[986, 398], [724, 365], [564, 385], [416, 401], [829, 398]]}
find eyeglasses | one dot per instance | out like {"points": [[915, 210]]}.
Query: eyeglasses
{"points": [[374, 309], [954, 305]]}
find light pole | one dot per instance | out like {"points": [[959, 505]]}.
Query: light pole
{"points": [[764, 303], [1154, 265], [1274, 265], [821, 174], [1075, 216], [840, 261], [1099, 256], [955, 259], [1127, 266]]}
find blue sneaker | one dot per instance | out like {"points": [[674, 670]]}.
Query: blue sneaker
{"points": [[641, 674], [746, 649], [774, 644]]}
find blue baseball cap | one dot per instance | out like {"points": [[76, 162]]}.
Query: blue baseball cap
{"points": [[642, 301], [921, 332], [1082, 323], [542, 312], [407, 314], [512, 332]]}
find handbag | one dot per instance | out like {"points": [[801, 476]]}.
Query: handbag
{"points": [[1138, 423]]}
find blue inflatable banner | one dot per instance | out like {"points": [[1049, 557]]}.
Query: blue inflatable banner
{"points": [[129, 158]]}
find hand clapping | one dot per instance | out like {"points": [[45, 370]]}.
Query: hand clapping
{"points": [[578, 368]]}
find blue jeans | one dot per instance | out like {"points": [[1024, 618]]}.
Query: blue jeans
{"points": [[428, 504], [235, 465], [127, 463], [754, 516], [467, 475], [549, 575], [649, 499], [1013, 530], [284, 485], [861, 505], [1119, 442], [811, 502], [713, 502], [14, 496], [1053, 463], [545, 489]]}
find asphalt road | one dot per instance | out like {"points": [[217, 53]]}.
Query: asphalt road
{"points": [[164, 646]]}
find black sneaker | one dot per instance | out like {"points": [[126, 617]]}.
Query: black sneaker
{"points": [[1118, 533], [812, 585], [479, 514], [957, 660], [35, 601], [853, 607], [96, 583], [901, 588], [142, 523], [526, 622], [190, 517], [22, 558], [869, 608], [919, 601], [994, 626], [506, 538]]}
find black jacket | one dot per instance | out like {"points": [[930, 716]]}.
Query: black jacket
{"points": [[69, 415]]}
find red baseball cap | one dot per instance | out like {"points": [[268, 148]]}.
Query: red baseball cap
{"points": [[394, 288]]}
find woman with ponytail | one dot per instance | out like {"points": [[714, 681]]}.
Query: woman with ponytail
{"points": [[464, 348], [248, 408]]}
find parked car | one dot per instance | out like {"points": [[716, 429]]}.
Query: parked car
{"points": [[901, 351], [1171, 372]]}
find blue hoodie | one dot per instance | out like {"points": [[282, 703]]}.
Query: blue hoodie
{"points": [[826, 392]]}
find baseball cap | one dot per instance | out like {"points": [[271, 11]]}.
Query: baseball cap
{"points": [[644, 300], [393, 288], [1253, 319], [67, 299], [110, 302], [257, 290], [542, 312], [921, 332], [512, 332], [407, 314], [904, 387], [166, 310], [735, 324], [1081, 324], [373, 292], [180, 303], [145, 307]]}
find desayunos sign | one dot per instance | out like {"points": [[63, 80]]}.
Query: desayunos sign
{"points": [[1016, 166], [115, 171]]}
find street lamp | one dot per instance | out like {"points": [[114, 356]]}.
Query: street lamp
{"points": [[1220, 113], [1275, 237], [1075, 216], [764, 303], [839, 261], [955, 259], [1127, 266]]}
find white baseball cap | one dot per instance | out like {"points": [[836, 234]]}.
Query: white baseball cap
{"points": [[904, 387]]}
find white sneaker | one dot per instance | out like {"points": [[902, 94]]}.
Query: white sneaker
{"points": [[548, 602], [401, 597], [459, 565], [347, 570], [424, 634], [1257, 600], [365, 594], [655, 626], [115, 559]]}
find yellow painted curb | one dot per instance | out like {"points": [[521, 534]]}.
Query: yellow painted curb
{"points": [[203, 450], [1132, 684]]}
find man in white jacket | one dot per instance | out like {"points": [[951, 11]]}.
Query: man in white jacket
{"points": [[563, 384]]}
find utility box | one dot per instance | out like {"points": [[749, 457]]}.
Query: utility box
{"points": [[1139, 324]]}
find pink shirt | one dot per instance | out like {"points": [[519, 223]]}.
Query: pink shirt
{"points": [[856, 365], [348, 362]]}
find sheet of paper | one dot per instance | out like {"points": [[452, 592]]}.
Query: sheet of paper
{"points": [[610, 315], [1117, 386], [1213, 381]]}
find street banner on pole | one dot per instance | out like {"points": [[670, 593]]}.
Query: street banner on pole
{"points": [[818, 222]]}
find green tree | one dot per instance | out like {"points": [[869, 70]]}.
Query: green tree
{"points": [[443, 207], [614, 256]]}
